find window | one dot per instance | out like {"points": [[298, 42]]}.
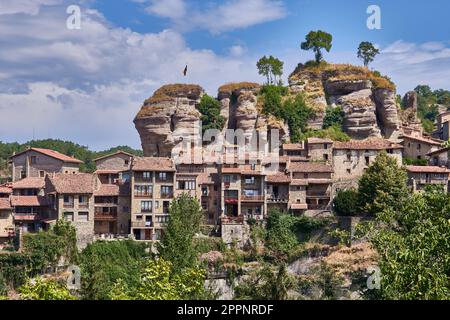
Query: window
{"points": [[250, 180], [83, 216], [143, 190], [226, 178], [146, 206], [367, 161], [419, 146], [127, 162], [325, 146], [204, 191], [83, 199], [349, 171], [23, 174], [325, 157], [253, 166], [126, 209], [139, 218], [349, 156], [163, 176], [166, 205], [41, 174], [68, 216], [166, 191], [419, 157], [156, 204], [146, 175], [33, 159], [186, 185]]}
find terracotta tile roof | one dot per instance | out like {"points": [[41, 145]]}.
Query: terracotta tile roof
{"points": [[427, 169], [29, 183], [319, 140], [113, 190], [299, 206], [439, 151], [80, 183], [299, 182], [204, 178], [368, 144], [309, 167], [5, 189], [293, 146], [5, 204], [113, 154], [278, 178], [423, 139], [284, 159], [109, 171], [231, 170], [53, 154], [28, 201], [152, 164]]}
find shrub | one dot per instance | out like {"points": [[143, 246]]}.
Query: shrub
{"points": [[346, 202]]}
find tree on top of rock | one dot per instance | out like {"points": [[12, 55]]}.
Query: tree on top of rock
{"points": [[271, 68], [367, 52], [318, 40]]}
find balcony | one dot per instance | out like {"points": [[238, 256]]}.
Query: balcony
{"points": [[167, 195], [317, 207], [141, 224], [83, 205], [68, 205], [278, 198], [256, 198], [231, 220], [98, 216], [27, 216], [318, 194]]}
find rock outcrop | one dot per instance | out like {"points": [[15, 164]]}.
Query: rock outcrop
{"points": [[169, 117], [367, 99]]}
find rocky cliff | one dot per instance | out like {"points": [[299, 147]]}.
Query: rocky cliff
{"points": [[368, 100]]}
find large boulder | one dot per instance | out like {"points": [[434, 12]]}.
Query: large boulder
{"points": [[387, 111], [169, 117]]}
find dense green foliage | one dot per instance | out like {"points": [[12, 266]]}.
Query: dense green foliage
{"points": [[280, 232], [415, 162], [427, 104], [334, 133], [345, 202], [103, 263], [266, 284], [383, 185], [334, 117], [271, 68], [413, 243], [210, 110], [44, 289], [317, 40], [367, 52], [158, 281], [177, 245], [65, 147]]}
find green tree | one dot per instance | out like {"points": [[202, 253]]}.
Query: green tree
{"points": [[296, 113], [103, 263], [345, 202], [177, 244], [318, 40], [158, 282], [333, 117], [210, 110], [383, 185], [280, 232], [266, 284], [271, 68], [412, 242], [367, 52], [44, 289]]}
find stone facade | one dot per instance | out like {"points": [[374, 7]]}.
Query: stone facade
{"points": [[417, 148]]}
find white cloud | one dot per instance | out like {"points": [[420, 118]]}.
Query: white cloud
{"points": [[218, 18], [237, 50], [87, 85], [168, 8], [24, 6]]}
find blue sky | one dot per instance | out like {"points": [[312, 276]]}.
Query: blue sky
{"points": [[87, 85]]}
